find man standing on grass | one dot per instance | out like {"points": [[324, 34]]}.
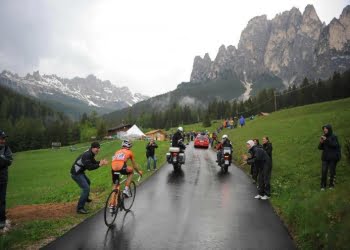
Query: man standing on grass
{"points": [[85, 161], [5, 162], [150, 153], [331, 154]]}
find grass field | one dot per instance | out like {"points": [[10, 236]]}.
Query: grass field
{"points": [[43, 176], [317, 220]]}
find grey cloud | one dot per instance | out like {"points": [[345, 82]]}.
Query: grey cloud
{"points": [[32, 29]]}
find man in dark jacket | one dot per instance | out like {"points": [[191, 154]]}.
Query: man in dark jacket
{"points": [[263, 162], [150, 154], [254, 171], [225, 142], [85, 161], [177, 137], [5, 162], [330, 156]]}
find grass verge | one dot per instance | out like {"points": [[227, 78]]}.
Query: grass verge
{"points": [[317, 220], [43, 177]]}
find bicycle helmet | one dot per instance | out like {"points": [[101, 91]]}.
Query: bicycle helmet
{"points": [[180, 129], [224, 137], [126, 144]]}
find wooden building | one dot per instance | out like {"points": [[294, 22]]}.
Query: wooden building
{"points": [[122, 128], [157, 135]]}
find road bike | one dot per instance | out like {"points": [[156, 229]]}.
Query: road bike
{"points": [[117, 201]]}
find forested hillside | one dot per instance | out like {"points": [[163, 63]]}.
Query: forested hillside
{"points": [[32, 125], [266, 100]]}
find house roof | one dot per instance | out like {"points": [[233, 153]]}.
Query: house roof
{"points": [[119, 127], [155, 131]]}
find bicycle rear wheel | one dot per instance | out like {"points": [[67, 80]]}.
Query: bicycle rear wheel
{"points": [[129, 201], [111, 213]]}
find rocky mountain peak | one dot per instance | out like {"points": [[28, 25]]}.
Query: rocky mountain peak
{"points": [[201, 68], [37, 76], [207, 57], [291, 46], [311, 25], [222, 53], [337, 37], [344, 19], [310, 12]]}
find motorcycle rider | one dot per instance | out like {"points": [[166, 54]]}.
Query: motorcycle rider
{"points": [[178, 138], [225, 142], [178, 141]]}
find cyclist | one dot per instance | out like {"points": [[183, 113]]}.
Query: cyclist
{"points": [[119, 164]]}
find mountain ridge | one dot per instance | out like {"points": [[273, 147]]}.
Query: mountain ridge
{"points": [[101, 96], [290, 46]]}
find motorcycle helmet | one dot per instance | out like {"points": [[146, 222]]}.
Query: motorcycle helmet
{"points": [[180, 129], [224, 137]]}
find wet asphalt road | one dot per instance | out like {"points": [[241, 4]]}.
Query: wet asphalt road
{"points": [[198, 208]]}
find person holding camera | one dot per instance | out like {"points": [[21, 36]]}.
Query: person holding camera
{"points": [[150, 154], [330, 155]]}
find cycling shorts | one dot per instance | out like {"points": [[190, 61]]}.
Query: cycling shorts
{"points": [[115, 174]]}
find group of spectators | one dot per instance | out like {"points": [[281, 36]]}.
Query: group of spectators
{"points": [[233, 122], [260, 160]]}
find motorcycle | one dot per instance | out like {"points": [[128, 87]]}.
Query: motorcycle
{"points": [[225, 160], [176, 156]]}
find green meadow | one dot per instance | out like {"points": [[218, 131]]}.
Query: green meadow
{"points": [[43, 176], [316, 220]]}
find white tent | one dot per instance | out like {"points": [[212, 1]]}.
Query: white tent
{"points": [[134, 132]]}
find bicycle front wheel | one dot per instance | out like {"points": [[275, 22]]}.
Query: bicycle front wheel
{"points": [[111, 208], [129, 201]]}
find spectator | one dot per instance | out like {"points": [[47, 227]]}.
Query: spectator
{"points": [[85, 161], [263, 162], [214, 138], [330, 146], [150, 154], [231, 123], [242, 121], [5, 162], [267, 146], [254, 170]]}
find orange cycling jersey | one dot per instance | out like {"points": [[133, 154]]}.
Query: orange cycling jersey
{"points": [[120, 158]]}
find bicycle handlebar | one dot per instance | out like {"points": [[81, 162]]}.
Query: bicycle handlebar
{"points": [[138, 180]]}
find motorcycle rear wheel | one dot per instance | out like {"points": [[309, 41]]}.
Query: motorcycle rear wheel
{"points": [[176, 166]]}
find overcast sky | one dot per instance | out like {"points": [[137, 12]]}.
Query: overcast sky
{"points": [[148, 46]]}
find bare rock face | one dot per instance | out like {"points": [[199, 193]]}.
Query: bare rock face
{"points": [[201, 68], [252, 47], [279, 50], [291, 46], [333, 48], [222, 67], [339, 30]]}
